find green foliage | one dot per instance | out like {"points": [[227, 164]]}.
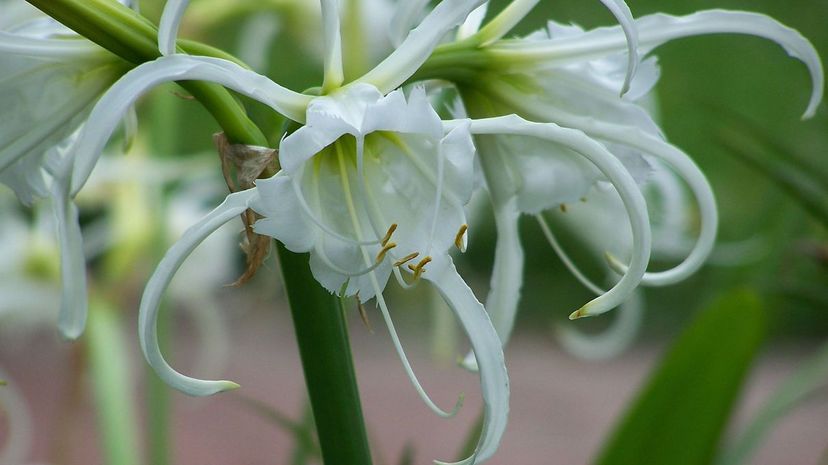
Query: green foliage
{"points": [[680, 413]]}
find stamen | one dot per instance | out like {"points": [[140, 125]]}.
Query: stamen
{"points": [[385, 249], [460, 238], [562, 207], [388, 234], [419, 269], [567, 261], [406, 259]]}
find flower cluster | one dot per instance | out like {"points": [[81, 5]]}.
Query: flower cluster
{"points": [[374, 184]]}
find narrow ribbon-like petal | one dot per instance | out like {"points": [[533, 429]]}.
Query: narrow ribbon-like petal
{"points": [[74, 303], [114, 104], [418, 45], [486, 346], [612, 168], [655, 30], [170, 22], [231, 208], [622, 13], [654, 146]]}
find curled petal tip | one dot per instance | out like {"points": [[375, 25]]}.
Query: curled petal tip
{"points": [[228, 386], [580, 313]]}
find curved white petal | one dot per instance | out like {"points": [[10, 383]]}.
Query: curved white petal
{"points": [[332, 54], [612, 168], [486, 346], [622, 13], [654, 146], [73, 304], [111, 108], [47, 48], [169, 24], [418, 45], [657, 29], [234, 205], [608, 343]]}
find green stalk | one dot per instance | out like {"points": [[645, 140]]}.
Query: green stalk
{"points": [[132, 37], [322, 335], [109, 367]]}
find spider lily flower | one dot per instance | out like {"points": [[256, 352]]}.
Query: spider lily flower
{"points": [[49, 79], [371, 185], [573, 78]]}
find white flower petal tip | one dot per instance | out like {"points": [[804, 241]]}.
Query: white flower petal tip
{"points": [[233, 206], [622, 13], [582, 312]]}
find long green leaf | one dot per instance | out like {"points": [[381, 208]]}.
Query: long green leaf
{"points": [[680, 413]]}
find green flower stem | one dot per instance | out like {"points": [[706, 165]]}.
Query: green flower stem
{"points": [[109, 367], [133, 38], [322, 334]]}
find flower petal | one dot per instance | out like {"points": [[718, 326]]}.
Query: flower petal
{"points": [[406, 16], [486, 346], [169, 24], [231, 208], [653, 146], [622, 13], [73, 304], [612, 168], [657, 29], [418, 45], [114, 104]]}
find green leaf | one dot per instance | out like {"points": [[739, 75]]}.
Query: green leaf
{"points": [[680, 413]]}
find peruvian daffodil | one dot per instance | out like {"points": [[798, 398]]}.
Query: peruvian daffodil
{"points": [[372, 184], [592, 82]]}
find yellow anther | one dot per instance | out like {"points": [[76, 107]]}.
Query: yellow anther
{"points": [[388, 234], [385, 248], [406, 259], [419, 269], [458, 239]]}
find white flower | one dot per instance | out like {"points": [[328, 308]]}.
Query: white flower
{"points": [[574, 78], [373, 183]]}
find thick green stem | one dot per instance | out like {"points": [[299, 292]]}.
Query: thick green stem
{"points": [[133, 38], [322, 334]]}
